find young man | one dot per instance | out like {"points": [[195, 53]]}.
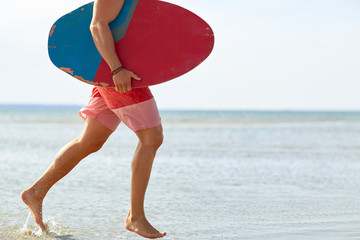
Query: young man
{"points": [[106, 109]]}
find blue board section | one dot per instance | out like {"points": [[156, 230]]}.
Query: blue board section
{"points": [[70, 44]]}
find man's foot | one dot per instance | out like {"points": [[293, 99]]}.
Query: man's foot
{"points": [[35, 206], [142, 227]]}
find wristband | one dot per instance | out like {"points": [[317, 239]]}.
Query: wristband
{"points": [[116, 70]]}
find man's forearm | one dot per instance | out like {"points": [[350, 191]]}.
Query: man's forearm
{"points": [[104, 12]]}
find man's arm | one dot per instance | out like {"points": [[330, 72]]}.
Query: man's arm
{"points": [[105, 11]]}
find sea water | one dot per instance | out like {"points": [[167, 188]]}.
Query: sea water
{"points": [[218, 175]]}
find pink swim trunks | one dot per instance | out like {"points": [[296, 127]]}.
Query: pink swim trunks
{"points": [[136, 108]]}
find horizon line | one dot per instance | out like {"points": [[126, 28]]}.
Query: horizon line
{"points": [[43, 105]]}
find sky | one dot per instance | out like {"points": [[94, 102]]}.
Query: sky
{"points": [[268, 55]]}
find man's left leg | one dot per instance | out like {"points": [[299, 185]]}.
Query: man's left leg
{"points": [[149, 141]]}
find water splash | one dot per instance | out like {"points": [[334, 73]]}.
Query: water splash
{"points": [[53, 230], [25, 230]]}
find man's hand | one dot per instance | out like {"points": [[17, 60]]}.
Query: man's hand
{"points": [[122, 80]]}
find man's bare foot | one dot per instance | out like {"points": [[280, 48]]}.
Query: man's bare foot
{"points": [[35, 206], [142, 227]]}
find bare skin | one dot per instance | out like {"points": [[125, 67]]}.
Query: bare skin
{"points": [[91, 140], [142, 227], [136, 221], [31, 199]]}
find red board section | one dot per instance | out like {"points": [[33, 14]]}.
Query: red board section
{"points": [[162, 42]]}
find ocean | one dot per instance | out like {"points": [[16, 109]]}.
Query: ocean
{"points": [[218, 175]]}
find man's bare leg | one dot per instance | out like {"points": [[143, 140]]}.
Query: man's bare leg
{"points": [[91, 139], [149, 141]]}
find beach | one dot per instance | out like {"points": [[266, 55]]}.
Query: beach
{"points": [[218, 175]]}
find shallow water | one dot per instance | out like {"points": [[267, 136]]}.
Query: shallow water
{"points": [[239, 175]]}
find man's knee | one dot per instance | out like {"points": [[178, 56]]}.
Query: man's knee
{"points": [[157, 140], [152, 139]]}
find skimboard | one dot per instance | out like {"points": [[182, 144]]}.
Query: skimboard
{"points": [[157, 40]]}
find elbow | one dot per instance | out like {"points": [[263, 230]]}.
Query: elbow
{"points": [[94, 28], [97, 28]]}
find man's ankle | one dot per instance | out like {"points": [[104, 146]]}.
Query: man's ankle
{"points": [[136, 215]]}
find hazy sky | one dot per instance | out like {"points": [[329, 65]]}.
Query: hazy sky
{"points": [[269, 54]]}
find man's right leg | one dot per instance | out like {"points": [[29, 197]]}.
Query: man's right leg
{"points": [[91, 140]]}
